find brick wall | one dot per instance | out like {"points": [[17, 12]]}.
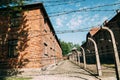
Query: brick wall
{"points": [[32, 35]]}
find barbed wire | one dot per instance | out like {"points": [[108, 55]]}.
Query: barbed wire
{"points": [[57, 1], [64, 3], [97, 10], [30, 32], [83, 9], [102, 51]]}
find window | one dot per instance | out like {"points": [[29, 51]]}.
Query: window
{"points": [[45, 44], [50, 47], [15, 19], [45, 49], [13, 52], [45, 30]]}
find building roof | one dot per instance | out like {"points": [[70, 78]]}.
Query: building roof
{"points": [[115, 19], [94, 30], [91, 33]]}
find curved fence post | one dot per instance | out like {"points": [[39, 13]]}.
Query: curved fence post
{"points": [[84, 58], [97, 57], [117, 63]]}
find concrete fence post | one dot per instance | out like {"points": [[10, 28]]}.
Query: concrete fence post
{"points": [[117, 63], [97, 57]]}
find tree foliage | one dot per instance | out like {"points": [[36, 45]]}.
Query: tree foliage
{"points": [[11, 6], [10, 3], [67, 47], [7, 3], [77, 46]]}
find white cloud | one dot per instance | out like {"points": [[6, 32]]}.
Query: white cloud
{"points": [[74, 22], [88, 21], [96, 16], [83, 20], [79, 21], [60, 21]]}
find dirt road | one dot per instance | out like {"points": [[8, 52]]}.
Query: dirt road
{"points": [[66, 70]]}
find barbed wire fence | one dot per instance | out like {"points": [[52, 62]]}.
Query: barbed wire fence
{"points": [[101, 53]]}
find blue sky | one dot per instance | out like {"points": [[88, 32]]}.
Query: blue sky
{"points": [[78, 20]]}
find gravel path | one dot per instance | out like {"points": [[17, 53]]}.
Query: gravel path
{"points": [[65, 71]]}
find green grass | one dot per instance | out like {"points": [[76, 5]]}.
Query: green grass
{"points": [[14, 78]]}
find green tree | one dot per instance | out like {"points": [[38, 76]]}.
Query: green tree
{"points": [[77, 46], [10, 3], [7, 3], [67, 47]]}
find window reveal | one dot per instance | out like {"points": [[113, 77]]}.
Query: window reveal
{"points": [[12, 48]]}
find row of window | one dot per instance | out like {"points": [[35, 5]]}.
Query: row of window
{"points": [[13, 51], [12, 48], [46, 49], [12, 44]]}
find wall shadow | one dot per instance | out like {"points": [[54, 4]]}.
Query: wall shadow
{"points": [[12, 28]]}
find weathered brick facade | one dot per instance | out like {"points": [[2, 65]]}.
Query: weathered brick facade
{"points": [[37, 43], [104, 42]]}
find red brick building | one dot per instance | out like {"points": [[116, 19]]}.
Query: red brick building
{"points": [[27, 38], [104, 45], [89, 46], [104, 42]]}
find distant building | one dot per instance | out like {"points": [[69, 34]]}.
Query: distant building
{"points": [[104, 41], [104, 44], [89, 46], [74, 54], [114, 25], [27, 38]]}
